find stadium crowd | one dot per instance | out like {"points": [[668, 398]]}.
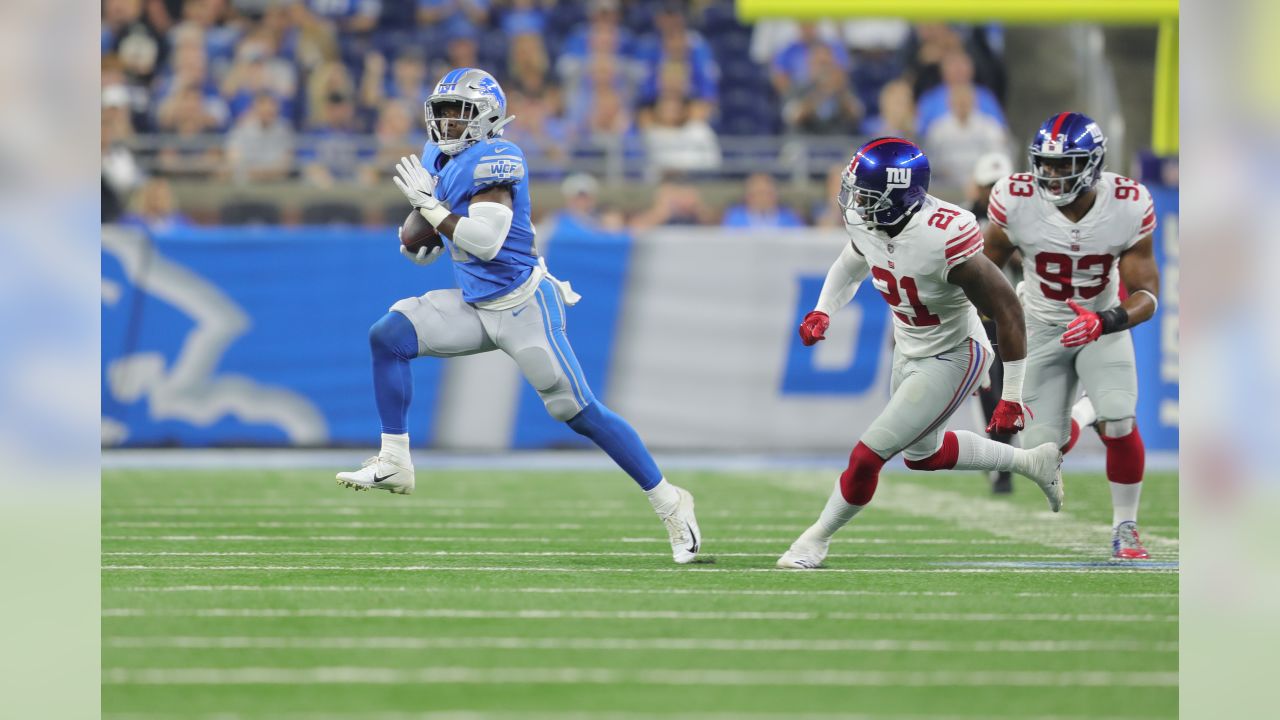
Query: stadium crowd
{"points": [[330, 92]]}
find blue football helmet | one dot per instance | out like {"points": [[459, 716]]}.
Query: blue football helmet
{"points": [[483, 110], [1066, 156], [885, 182]]}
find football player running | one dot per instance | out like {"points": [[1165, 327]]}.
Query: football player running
{"points": [[925, 257], [473, 187], [1082, 233]]}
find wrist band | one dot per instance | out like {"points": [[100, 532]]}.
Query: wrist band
{"points": [[1014, 370], [435, 215], [1114, 320]]}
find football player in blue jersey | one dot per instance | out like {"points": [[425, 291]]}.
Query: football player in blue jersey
{"points": [[473, 187]]}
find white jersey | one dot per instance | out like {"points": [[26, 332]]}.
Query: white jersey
{"points": [[1062, 260], [930, 315]]}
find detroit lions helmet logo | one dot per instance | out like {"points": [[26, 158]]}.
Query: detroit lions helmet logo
{"points": [[488, 86]]}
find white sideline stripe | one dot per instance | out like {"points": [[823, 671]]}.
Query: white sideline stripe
{"points": [[993, 517], [1118, 567], [416, 511], [781, 541], [541, 527], [528, 614], [477, 715], [603, 676], [625, 644], [558, 553], [365, 589]]}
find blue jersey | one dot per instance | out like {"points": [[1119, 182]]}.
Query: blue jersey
{"points": [[484, 165]]}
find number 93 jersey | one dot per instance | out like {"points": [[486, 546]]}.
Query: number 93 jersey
{"points": [[1064, 260], [930, 315]]}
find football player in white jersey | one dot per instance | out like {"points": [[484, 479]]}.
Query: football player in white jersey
{"points": [[1082, 232], [925, 257]]}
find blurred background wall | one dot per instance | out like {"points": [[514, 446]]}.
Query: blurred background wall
{"points": [[684, 165]]}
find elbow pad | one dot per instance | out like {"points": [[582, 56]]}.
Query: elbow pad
{"points": [[483, 230]]}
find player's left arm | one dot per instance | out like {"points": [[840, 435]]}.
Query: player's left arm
{"points": [[990, 292], [481, 232], [1141, 277]]}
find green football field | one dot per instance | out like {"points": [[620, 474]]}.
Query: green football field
{"points": [[238, 594]]}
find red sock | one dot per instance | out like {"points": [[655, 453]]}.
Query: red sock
{"points": [[858, 481], [944, 459], [1126, 458], [1075, 435]]}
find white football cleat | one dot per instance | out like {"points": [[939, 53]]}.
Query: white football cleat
{"points": [[806, 553], [1044, 466], [379, 473], [682, 528]]}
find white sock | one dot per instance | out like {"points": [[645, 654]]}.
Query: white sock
{"points": [[663, 497], [980, 453], [1083, 413], [1124, 502], [396, 449], [836, 514]]}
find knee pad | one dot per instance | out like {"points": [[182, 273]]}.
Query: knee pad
{"points": [[1116, 428], [858, 482], [539, 368], [944, 459], [561, 405], [394, 334]]}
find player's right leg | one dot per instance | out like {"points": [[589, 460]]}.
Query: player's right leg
{"points": [[438, 324]]}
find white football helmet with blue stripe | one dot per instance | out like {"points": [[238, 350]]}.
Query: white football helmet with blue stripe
{"points": [[483, 109]]}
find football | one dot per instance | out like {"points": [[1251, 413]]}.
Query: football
{"points": [[416, 233]]}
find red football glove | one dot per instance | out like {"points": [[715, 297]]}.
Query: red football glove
{"points": [[814, 327], [1086, 328], [1007, 418]]}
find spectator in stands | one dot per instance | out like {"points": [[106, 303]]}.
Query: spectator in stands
{"points": [[154, 208], [395, 137], [601, 102], [524, 17], [220, 37], [760, 208], [956, 140], [121, 173], [897, 112], [874, 47], [601, 34], [408, 82], [255, 72], [675, 202], [349, 17], [328, 80], [676, 140], [827, 213], [528, 66], [798, 64], [538, 129], [957, 72], [190, 69], [333, 152], [133, 39], [188, 152], [928, 44], [260, 146], [824, 104], [454, 16], [581, 213], [677, 43], [137, 97]]}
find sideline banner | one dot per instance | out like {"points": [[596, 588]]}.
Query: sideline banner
{"points": [[259, 336]]}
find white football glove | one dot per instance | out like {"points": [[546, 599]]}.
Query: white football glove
{"points": [[416, 183]]}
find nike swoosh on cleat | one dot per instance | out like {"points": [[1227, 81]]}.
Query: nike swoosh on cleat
{"points": [[384, 477], [692, 536]]}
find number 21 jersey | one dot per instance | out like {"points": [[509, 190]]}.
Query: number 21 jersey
{"points": [[1064, 260], [930, 315]]}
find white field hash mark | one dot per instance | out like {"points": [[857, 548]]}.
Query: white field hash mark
{"points": [[633, 644], [368, 589], [1111, 567], [531, 614], [603, 676]]}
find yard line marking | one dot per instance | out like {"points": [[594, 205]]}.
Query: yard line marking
{"points": [[413, 510], [783, 541], [992, 517], [542, 527], [1118, 567], [541, 614], [604, 676], [628, 644], [546, 553], [614, 591], [712, 715]]}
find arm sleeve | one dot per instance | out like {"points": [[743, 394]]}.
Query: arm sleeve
{"points": [[843, 279], [483, 230]]}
